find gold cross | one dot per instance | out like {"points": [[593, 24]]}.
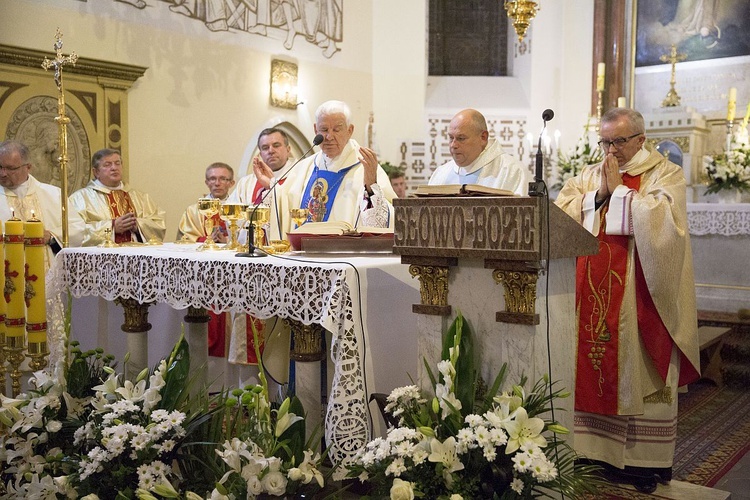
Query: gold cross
{"points": [[672, 98], [59, 60]]}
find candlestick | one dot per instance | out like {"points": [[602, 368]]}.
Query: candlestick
{"points": [[732, 105], [600, 71], [747, 117]]}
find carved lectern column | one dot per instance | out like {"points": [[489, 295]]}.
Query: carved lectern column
{"points": [[307, 341], [433, 274], [136, 326], [519, 284], [196, 334]]}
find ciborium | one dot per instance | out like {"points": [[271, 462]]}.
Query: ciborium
{"points": [[233, 212], [209, 207], [299, 215], [259, 215]]}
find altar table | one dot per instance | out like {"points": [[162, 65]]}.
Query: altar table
{"points": [[364, 301]]}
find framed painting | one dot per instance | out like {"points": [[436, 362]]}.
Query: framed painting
{"points": [[700, 29]]}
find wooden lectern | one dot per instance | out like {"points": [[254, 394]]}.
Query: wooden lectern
{"points": [[453, 242], [510, 234]]}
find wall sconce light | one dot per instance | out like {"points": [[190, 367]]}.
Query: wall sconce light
{"points": [[521, 12], [283, 84]]}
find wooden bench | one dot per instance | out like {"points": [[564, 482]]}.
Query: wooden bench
{"points": [[711, 340]]}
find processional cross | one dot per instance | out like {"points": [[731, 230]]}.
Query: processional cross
{"points": [[62, 123], [672, 98]]}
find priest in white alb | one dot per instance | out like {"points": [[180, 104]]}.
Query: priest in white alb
{"points": [[477, 159], [341, 182], [274, 150], [635, 305]]}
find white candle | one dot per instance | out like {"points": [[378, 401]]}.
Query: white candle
{"points": [[621, 102], [557, 139], [600, 70]]}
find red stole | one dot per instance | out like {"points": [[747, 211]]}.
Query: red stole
{"points": [[258, 191], [600, 288], [119, 204]]}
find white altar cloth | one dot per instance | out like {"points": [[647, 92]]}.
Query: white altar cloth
{"points": [[311, 289]]}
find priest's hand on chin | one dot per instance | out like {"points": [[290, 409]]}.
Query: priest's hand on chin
{"points": [[610, 178], [262, 172], [370, 162]]}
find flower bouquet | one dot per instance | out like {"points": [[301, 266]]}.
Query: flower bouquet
{"points": [[465, 442], [92, 434], [569, 165], [729, 171]]}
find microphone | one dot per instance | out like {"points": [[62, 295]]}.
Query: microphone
{"points": [[537, 187], [317, 140]]}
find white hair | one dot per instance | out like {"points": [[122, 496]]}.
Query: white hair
{"points": [[333, 108]]}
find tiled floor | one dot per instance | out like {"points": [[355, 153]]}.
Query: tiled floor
{"points": [[737, 480]]}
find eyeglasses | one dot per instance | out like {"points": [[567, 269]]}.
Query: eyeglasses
{"points": [[13, 169], [218, 179], [617, 143]]}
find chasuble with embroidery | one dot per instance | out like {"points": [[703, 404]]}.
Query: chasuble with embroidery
{"points": [[635, 312], [99, 206]]}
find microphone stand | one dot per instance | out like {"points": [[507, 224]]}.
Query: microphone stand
{"points": [[251, 231], [537, 187]]}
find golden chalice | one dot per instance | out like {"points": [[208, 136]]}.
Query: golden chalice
{"points": [[259, 215], [299, 215], [209, 207], [233, 212]]}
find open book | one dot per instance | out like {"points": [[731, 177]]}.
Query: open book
{"points": [[338, 228], [460, 190]]}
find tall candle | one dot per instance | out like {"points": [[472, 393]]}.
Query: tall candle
{"points": [[3, 304], [15, 318], [732, 106], [600, 69], [747, 117], [621, 102], [36, 307]]}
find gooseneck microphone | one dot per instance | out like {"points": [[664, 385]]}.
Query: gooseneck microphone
{"points": [[537, 186], [317, 140]]}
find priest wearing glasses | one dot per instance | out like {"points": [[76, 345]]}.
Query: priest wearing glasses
{"points": [[635, 301], [341, 182]]}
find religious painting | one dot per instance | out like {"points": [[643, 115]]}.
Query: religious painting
{"points": [[699, 29]]}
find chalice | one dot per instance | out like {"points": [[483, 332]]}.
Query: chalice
{"points": [[299, 215], [233, 212], [259, 215], [209, 207]]}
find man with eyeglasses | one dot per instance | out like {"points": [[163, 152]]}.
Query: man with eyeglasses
{"points": [[107, 203], [219, 180], [635, 303], [23, 196]]}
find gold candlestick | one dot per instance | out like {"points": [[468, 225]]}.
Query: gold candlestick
{"points": [[14, 347], [37, 352]]}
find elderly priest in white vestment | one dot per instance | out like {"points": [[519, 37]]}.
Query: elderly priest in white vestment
{"points": [[635, 305], [23, 195], [342, 182], [477, 159]]}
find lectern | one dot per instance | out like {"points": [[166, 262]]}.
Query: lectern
{"points": [[464, 249]]}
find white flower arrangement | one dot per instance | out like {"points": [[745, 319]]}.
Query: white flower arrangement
{"points": [[92, 434], [731, 170], [571, 163], [494, 447]]}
